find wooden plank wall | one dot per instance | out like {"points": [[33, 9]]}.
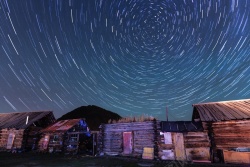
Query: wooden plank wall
{"points": [[225, 135], [196, 146], [18, 140], [231, 134], [165, 151], [196, 139], [56, 145], [111, 136], [41, 142], [32, 137]]}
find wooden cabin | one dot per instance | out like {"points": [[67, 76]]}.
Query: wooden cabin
{"points": [[19, 130], [228, 126], [152, 139], [68, 136], [183, 140], [136, 139]]}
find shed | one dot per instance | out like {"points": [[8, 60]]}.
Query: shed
{"points": [[68, 136], [183, 140], [19, 130], [135, 139], [228, 125]]}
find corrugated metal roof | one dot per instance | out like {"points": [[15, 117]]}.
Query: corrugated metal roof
{"points": [[21, 120], [223, 110], [62, 125], [181, 126]]}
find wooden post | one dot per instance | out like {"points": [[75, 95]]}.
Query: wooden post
{"points": [[93, 143], [211, 137], [102, 137], [155, 138]]}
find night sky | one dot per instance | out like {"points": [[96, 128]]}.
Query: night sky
{"points": [[131, 57]]}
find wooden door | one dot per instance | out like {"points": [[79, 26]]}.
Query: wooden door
{"points": [[179, 147], [10, 140], [45, 142], [127, 142]]}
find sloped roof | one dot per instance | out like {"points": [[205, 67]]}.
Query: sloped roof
{"points": [[181, 126], [62, 126], [224, 110], [22, 120]]}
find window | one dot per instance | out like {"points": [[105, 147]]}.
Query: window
{"points": [[73, 137], [55, 138]]}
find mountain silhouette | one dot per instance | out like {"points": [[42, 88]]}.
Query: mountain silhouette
{"points": [[94, 116]]}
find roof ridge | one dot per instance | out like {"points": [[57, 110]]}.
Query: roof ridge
{"points": [[226, 101], [26, 112]]}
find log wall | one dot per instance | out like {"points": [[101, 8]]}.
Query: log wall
{"points": [[197, 146], [144, 135], [226, 135], [231, 134], [18, 140]]}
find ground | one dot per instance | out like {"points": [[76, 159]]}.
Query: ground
{"points": [[60, 160]]}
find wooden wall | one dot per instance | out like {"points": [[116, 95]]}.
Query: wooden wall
{"points": [[226, 135], [57, 146], [166, 150], [185, 146], [31, 137], [143, 135], [18, 139], [197, 146], [63, 143], [182, 146], [43, 143], [231, 134]]}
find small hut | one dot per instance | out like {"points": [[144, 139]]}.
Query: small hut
{"points": [[136, 138], [68, 136], [19, 130], [183, 140], [228, 126]]}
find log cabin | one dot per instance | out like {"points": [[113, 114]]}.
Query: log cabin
{"points": [[153, 139], [184, 141], [67, 136], [135, 139], [19, 130], [228, 126]]}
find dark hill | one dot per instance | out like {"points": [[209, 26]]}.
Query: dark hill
{"points": [[94, 115]]}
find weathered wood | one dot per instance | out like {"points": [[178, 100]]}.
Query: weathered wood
{"points": [[166, 146], [197, 145], [167, 154], [231, 145], [192, 141], [236, 157], [179, 146], [201, 153], [231, 134], [143, 135]]}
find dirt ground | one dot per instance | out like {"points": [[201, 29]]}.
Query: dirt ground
{"points": [[60, 160]]}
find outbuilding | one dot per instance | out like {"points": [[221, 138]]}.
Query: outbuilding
{"points": [[228, 126], [183, 140], [135, 138], [19, 130], [68, 136]]}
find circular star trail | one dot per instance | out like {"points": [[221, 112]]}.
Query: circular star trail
{"points": [[131, 57]]}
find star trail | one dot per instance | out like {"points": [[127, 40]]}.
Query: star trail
{"points": [[131, 57]]}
